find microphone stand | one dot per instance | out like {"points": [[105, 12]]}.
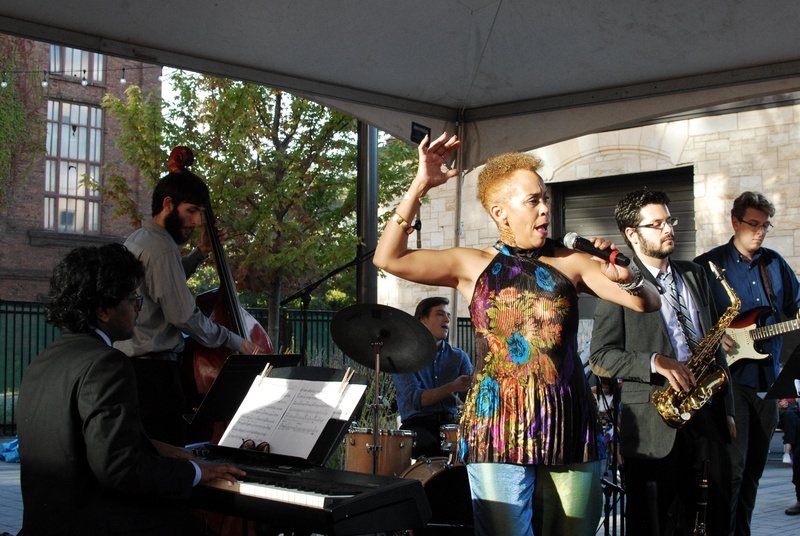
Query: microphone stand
{"points": [[702, 503], [305, 295], [614, 490], [616, 386]]}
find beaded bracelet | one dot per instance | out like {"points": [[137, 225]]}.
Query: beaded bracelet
{"points": [[635, 287], [401, 221]]}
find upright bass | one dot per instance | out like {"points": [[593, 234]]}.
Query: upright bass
{"points": [[201, 364]]}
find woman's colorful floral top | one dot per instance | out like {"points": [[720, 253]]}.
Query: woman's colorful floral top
{"points": [[530, 402]]}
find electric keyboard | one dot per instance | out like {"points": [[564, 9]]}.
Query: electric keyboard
{"points": [[291, 496]]}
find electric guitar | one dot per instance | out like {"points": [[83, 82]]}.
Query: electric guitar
{"points": [[745, 331]]}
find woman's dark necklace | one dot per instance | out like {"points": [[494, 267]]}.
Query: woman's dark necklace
{"points": [[513, 251]]}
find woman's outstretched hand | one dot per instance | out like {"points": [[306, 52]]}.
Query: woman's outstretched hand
{"points": [[433, 170]]}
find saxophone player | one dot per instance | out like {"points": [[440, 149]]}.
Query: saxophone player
{"points": [[649, 352]]}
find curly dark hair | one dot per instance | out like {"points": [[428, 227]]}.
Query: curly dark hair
{"points": [[628, 212], [88, 278]]}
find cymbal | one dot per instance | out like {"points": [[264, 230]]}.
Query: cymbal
{"points": [[406, 344]]}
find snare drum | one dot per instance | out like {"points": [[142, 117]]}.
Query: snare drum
{"points": [[393, 458], [447, 489]]}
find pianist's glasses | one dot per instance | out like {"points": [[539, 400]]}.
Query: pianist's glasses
{"points": [[137, 300], [249, 444]]}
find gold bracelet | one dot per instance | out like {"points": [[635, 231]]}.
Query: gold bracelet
{"points": [[404, 225]]}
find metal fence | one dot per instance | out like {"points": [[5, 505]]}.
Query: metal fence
{"points": [[24, 333]]}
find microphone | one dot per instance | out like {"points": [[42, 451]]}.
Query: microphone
{"points": [[573, 241]]}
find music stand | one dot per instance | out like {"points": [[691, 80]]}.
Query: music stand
{"points": [[325, 444], [232, 384], [784, 385]]}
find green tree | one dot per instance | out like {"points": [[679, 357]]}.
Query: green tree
{"points": [[141, 143], [282, 175]]}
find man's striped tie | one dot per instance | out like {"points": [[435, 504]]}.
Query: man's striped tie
{"points": [[681, 312]]}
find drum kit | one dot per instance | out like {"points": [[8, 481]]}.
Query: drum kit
{"points": [[386, 339]]}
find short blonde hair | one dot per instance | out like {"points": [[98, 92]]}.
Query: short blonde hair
{"points": [[492, 179]]}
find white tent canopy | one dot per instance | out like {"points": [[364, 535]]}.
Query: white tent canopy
{"points": [[504, 74]]}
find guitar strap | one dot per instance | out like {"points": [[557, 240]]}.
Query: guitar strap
{"points": [[762, 265]]}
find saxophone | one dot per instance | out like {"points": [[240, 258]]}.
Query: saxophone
{"points": [[677, 407]]}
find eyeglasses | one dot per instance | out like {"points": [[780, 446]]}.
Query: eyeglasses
{"points": [[138, 300], [672, 222], [249, 444], [766, 227]]}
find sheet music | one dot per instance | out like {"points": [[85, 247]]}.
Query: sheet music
{"points": [[348, 400], [290, 414]]}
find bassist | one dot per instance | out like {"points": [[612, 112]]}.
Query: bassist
{"points": [[169, 310], [760, 277]]}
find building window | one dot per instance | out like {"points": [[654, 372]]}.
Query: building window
{"points": [[78, 63], [73, 155]]}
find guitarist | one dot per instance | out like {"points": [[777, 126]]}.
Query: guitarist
{"points": [[760, 277]]}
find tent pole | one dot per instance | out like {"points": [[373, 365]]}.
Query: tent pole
{"points": [[458, 223]]}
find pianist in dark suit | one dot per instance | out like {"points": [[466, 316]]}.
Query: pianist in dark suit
{"points": [[86, 466]]}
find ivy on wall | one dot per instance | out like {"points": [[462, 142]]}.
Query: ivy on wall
{"points": [[21, 125]]}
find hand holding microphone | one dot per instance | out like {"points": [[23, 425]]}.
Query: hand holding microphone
{"points": [[573, 241]]}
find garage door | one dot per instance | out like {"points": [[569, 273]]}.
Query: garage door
{"points": [[587, 208]]}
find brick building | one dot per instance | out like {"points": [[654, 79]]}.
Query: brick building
{"points": [[49, 211]]}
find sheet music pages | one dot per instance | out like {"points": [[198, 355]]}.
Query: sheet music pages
{"points": [[290, 414]]}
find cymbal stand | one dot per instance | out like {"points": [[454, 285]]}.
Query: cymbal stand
{"points": [[376, 408]]}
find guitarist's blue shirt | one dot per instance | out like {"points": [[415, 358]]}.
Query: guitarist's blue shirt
{"points": [[745, 278]]}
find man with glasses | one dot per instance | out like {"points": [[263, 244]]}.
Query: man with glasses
{"points": [[86, 466], [648, 352], [761, 278]]}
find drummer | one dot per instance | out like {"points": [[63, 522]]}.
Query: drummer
{"points": [[429, 398]]}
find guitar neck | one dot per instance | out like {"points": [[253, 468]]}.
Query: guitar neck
{"points": [[765, 332]]}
